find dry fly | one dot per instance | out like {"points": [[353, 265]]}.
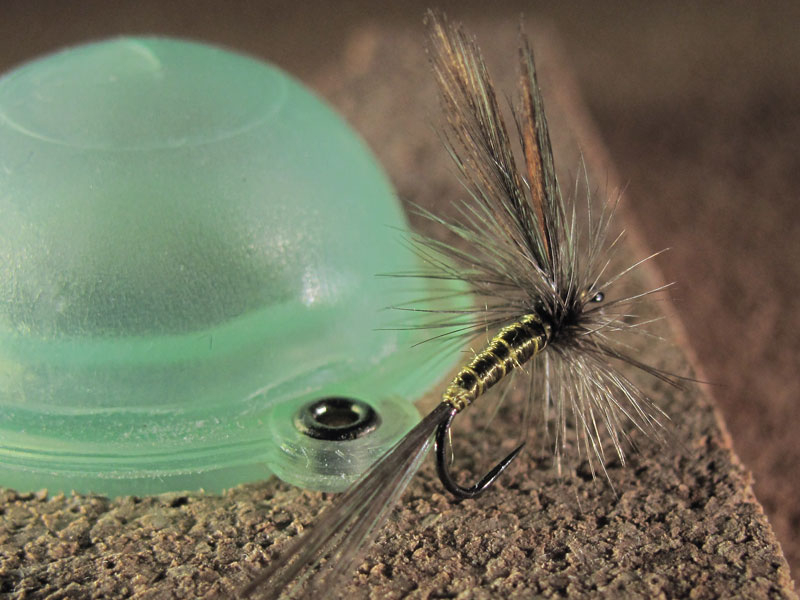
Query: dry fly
{"points": [[547, 293]]}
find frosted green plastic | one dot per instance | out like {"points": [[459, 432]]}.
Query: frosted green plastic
{"points": [[189, 243]]}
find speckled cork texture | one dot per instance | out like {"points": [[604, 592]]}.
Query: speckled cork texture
{"points": [[680, 521]]}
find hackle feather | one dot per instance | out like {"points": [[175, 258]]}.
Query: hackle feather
{"points": [[522, 250]]}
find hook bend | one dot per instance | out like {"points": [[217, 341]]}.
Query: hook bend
{"points": [[442, 436]]}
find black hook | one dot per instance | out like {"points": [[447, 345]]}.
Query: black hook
{"points": [[442, 433]]}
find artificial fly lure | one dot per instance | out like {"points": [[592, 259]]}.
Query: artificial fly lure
{"points": [[543, 278]]}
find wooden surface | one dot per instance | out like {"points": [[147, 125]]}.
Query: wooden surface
{"points": [[681, 520]]}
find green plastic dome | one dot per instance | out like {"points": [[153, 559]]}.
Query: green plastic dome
{"points": [[189, 243]]}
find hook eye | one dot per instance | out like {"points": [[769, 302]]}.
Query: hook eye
{"points": [[589, 295], [336, 419]]}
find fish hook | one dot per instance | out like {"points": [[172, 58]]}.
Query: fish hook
{"points": [[442, 434]]}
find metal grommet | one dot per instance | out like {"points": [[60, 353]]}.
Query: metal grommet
{"points": [[336, 419]]}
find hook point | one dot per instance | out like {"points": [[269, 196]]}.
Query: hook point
{"points": [[447, 480]]}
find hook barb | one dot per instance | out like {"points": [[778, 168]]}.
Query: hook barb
{"points": [[459, 491]]}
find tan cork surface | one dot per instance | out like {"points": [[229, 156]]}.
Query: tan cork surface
{"points": [[684, 521]]}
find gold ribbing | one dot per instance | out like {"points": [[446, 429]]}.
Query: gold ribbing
{"points": [[529, 336]]}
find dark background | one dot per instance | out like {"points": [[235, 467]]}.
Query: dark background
{"points": [[700, 108]]}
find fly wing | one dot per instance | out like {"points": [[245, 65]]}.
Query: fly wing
{"points": [[478, 140], [540, 167]]}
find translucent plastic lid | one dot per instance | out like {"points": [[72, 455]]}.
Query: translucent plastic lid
{"points": [[189, 243]]}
